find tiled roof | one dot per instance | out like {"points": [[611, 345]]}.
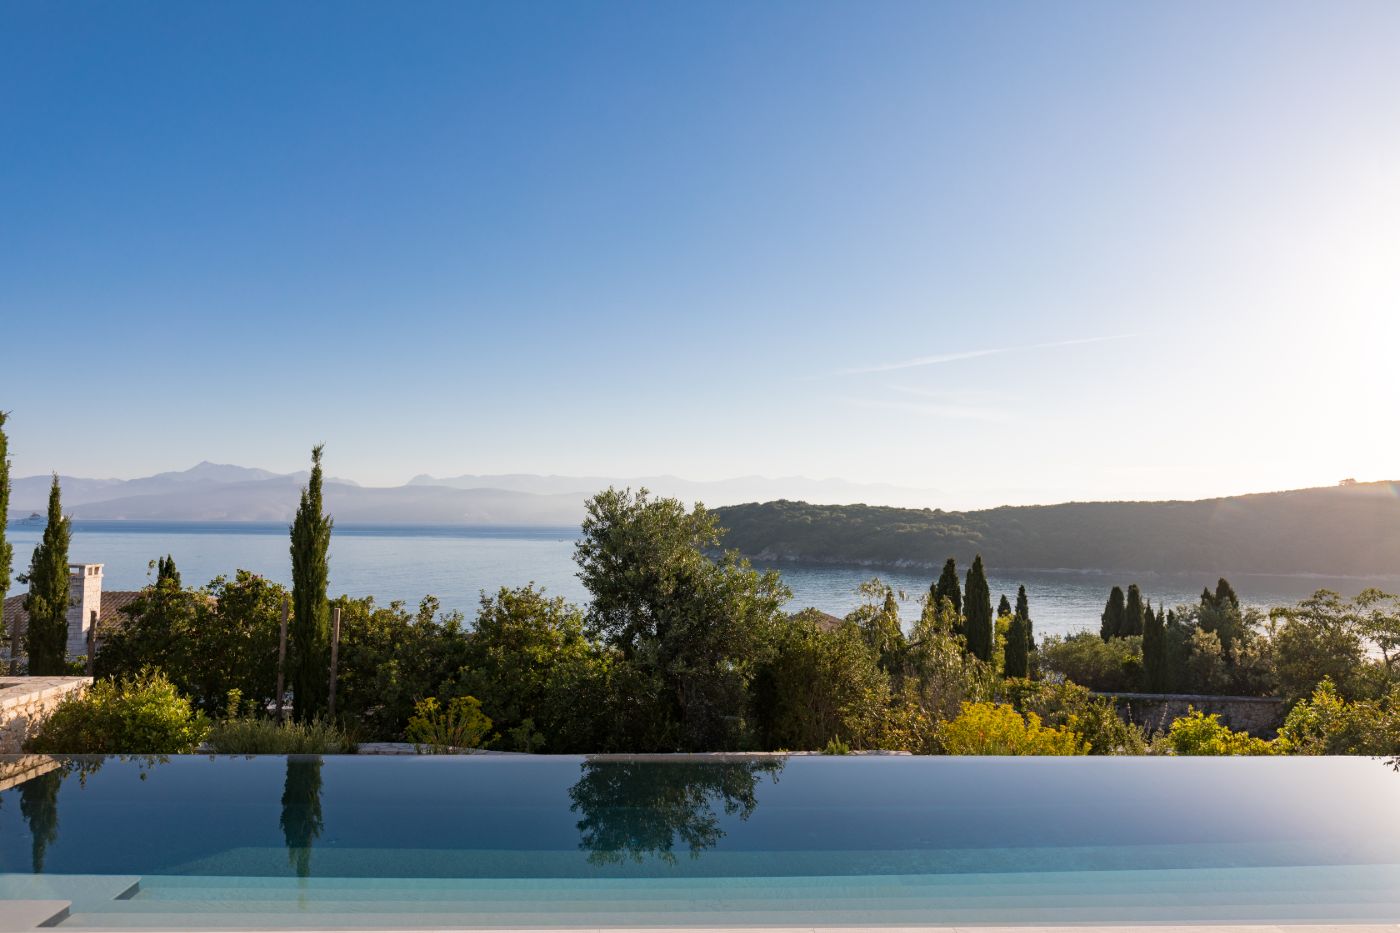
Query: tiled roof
{"points": [[113, 602]]}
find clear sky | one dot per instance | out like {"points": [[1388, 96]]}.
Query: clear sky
{"points": [[1012, 251]]}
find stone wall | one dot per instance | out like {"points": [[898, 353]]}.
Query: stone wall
{"points": [[1260, 716], [25, 702]]}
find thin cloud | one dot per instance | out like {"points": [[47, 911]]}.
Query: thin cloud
{"points": [[937, 358], [948, 410]]}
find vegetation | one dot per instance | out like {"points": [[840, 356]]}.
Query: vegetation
{"points": [[309, 632], [7, 551], [142, 715], [687, 648], [46, 639], [1353, 529], [1199, 734], [459, 726], [243, 732], [998, 729]]}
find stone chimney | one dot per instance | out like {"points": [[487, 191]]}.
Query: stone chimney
{"points": [[84, 605]]}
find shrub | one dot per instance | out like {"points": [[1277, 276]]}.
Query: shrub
{"points": [[1326, 724], [997, 729], [462, 725], [1071, 706], [142, 715], [1199, 734], [1111, 666], [245, 735]]}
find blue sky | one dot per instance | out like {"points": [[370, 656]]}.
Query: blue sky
{"points": [[1013, 252]]}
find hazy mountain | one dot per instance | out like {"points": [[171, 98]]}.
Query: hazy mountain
{"points": [[712, 493], [215, 492], [1334, 530]]}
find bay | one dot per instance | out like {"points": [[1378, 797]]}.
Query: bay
{"points": [[457, 564]]}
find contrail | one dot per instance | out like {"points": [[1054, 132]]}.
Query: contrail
{"points": [[972, 354]]}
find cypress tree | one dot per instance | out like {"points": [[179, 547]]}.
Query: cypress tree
{"points": [[947, 586], [1154, 650], [309, 629], [7, 551], [166, 574], [1023, 609], [46, 641], [1003, 607], [1225, 597], [1132, 612], [1017, 662], [977, 609], [1111, 622]]}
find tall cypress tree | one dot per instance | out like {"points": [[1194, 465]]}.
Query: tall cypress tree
{"points": [[1017, 658], [46, 640], [1154, 650], [309, 629], [166, 574], [977, 609], [1023, 609], [1132, 612], [7, 551], [947, 586], [1111, 622]]}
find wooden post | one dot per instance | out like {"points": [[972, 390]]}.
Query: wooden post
{"points": [[282, 656], [335, 655]]}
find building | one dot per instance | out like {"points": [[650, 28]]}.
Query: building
{"points": [[88, 606]]}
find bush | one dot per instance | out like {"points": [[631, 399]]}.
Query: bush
{"points": [[1199, 734], [462, 725], [1326, 724], [1109, 666], [997, 729], [142, 715], [1071, 706]]}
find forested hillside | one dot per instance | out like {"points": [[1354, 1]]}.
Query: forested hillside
{"points": [[1336, 530]]}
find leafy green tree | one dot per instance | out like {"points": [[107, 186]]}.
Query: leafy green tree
{"points": [[208, 642], [1378, 617], [699, 625], [821, 686], [1111, 622], [1197, 733], [978, 612], [1071, 706], [7, 551], [46, 640], [310, 623], [1132, 612], [392, 657], [947, 586], [1113, 666], [878, 621], [523, 644], [1316, 639], [1155, 670]]}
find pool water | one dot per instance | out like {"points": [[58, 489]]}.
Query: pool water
{"points": [[195, 842]]}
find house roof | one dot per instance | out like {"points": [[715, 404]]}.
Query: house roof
{"points": [[113, 602]]}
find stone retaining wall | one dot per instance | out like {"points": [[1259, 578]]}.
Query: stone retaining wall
{"points": [[25, 702], [1259, 716]]}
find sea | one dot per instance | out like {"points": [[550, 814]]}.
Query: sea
{"points": [[458, 565]]}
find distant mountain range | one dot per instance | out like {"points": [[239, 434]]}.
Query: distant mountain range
{"points": [[221, 492], [1347, 530]]}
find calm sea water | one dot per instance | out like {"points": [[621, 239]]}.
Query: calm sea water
{"points": [[197, 842], [457, 564]]}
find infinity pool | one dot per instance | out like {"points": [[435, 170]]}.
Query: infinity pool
{"points": [[197, 842]]}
